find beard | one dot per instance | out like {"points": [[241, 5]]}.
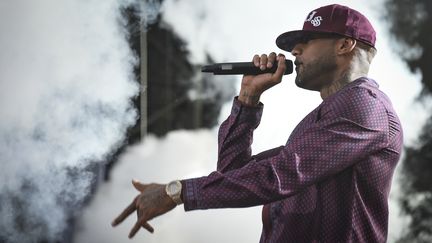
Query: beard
{"points": [[315, 74]]}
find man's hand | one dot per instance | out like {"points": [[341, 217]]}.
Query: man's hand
{"points": [[150, 203], [253, 86]]}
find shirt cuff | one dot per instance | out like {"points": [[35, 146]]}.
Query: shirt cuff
{"points": [[247, 113], [190, 194]]}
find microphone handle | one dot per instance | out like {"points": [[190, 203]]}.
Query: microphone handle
{"points": [[244, 68]]}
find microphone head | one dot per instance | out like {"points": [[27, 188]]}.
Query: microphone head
{"points": [[289, 67]]}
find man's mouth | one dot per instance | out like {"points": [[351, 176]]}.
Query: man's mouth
{"points": [[298, 64]]}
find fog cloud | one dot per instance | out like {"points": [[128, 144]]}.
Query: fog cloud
{"points": [[65, 87]]}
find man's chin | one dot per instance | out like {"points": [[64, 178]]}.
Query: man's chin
{"points": [[304, 85]]}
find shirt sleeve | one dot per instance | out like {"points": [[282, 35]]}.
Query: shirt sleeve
{"points": [[236, 136], [346, 131]]}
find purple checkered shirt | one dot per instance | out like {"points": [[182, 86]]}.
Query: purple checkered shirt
{"points": [[329, 183]]}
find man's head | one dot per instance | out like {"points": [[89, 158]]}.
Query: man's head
{"points": [[335, 41]]}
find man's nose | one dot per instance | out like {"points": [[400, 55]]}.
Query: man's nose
{"points": [[296, 50]]}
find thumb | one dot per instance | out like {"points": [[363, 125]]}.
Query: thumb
{"points": [[138, 185]]}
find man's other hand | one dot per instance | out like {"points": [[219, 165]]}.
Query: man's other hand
{"points": [[150, 203]]}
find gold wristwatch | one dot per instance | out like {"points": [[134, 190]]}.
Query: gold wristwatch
{"points": [[173, 189]]}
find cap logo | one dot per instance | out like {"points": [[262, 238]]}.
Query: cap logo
{"points": [[315, 21]]}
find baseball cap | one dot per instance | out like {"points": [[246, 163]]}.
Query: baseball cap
{"points": [[331, 19]]}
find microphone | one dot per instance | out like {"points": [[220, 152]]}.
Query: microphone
{"points": [[245, 68]]}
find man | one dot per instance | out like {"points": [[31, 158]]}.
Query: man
{"points": [[330, 182]]}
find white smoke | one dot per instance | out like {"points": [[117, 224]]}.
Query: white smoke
{"points": [[65, 87], [181, 154]]}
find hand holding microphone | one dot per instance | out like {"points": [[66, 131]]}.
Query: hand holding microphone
{"points": [[253, 84]]}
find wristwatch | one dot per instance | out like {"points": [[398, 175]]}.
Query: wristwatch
{"points": [[173, 189]]}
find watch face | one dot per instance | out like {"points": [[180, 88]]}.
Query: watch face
{"points": [[173, 188]]}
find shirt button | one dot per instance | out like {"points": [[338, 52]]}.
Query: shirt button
{"points": [[372, 93]]}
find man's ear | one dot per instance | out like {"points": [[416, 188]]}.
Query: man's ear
{"points": [[345, 45]]}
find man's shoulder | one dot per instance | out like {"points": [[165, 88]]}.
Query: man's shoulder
{"points": [[365, 93], [358, 94], [360, 101]]}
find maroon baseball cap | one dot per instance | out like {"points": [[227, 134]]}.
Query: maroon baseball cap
{"points": [[334, 19]]}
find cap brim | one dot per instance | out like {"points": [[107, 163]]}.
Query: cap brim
{"points": [[288, 40]]}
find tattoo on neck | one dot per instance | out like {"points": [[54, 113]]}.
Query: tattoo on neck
{"points": [[335, 85]]}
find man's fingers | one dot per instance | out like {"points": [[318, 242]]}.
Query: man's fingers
{"points": [[263, 62], [130, 209], [135, 229], [256, 60], [138, 185], [271, 60], [281, 66], [140, 223], [148, 227]]}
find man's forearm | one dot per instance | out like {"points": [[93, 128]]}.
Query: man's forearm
{"points": [[235, 136]]}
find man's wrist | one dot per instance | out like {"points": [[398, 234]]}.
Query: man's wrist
{"points": [[249, 98]]}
